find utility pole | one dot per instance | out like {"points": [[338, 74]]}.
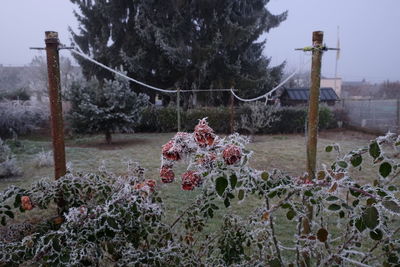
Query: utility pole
{"points": [[57, 127]]}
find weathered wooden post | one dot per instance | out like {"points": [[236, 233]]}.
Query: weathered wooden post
{"points": [[313, 103], [57, 127], [232, 113], [178, 108]]}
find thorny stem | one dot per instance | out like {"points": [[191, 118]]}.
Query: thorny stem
{"points": [[377, 243], [271, 224], [340, 250], [298, 241], [180, 216]]}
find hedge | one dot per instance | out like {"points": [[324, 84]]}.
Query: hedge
{"points": [[292, 119]]}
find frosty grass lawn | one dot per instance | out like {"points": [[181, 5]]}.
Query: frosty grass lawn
{"points": [[284, 152]]}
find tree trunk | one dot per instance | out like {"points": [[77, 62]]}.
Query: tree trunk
{"points": [[108, 137]]}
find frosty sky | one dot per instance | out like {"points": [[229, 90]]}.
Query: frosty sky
{"points": [[369, 33]]}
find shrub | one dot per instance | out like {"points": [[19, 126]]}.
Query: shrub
{"points": [[111, 220], [17, 117], [21, 94], [44, 159], [291, 119], [8, 163], [260, 117]]}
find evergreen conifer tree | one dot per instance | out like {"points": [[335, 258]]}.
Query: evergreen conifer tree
{"points": [[105, 108], [192, 44]]}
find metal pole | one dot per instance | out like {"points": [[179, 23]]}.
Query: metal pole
{"points": [[313, 106], [178, 108], [57, 128]]}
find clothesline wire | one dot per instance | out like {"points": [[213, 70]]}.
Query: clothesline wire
{"points": [[78, 51]]}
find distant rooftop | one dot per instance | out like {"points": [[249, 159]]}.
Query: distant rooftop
{"points": [[301, 94]]}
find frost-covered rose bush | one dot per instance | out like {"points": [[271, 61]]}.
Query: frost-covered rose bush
{"points": [[337, 220], [331, 220]]}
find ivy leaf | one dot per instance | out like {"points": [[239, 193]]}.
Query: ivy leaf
{"points": [[220, 185], [322, 235], [391, 206], [265, 176], [334, 207], [356, 160], [376, 234], [241, 194], [385, 169], [371, 217], [328, 148], [233, 180], [343, 164], [374, 150]]}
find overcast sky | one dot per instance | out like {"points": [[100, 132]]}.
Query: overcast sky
{"points": [[369, 33]]}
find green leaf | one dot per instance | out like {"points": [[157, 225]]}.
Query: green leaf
{"points": [[385, 169], [331, 198], [112, 223], [391, 206], [371, 217], [356, 160], [241, 194], [274, 263], [308, 193], [360, 225], [233, 180], [265, 176], [290, 214], [328, 148], [374, 150], [334, 207], [322, 235], [286, 206], [376, 234], [9, 214], [343, 164], [220, 185], [227, 203]]}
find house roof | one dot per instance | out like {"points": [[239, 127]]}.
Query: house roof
{"points": [[301, 94]]}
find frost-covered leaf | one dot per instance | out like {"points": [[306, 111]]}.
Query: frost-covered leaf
{"points": [[371, 217], [322, 235], [265, 176], [241, 194], [334, 207], [220, 185], [374, 150], [376, 234], [385, 169], [391, 205], [356, 160]]}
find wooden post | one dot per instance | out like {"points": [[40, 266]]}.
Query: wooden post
{"points": [[313, 103], [178, 108], [232, 113], [57, 128]]}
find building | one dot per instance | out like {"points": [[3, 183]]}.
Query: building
{"points": [[335, 83], [299, 96]]}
